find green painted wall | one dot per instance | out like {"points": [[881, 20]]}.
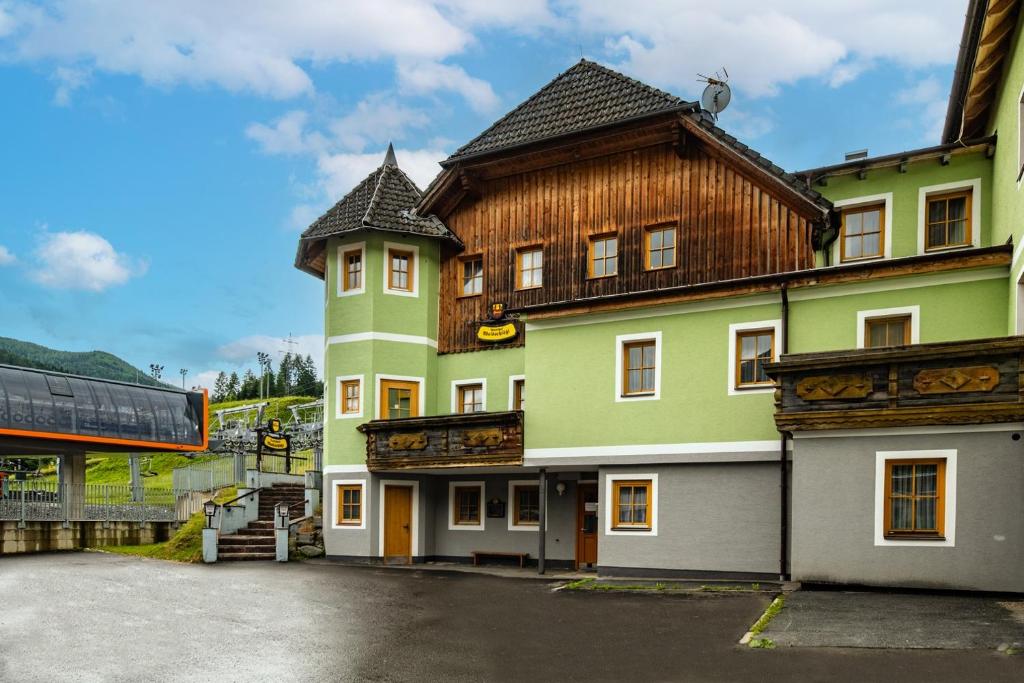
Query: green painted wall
{"points": [[905, 194], [572, 393], [1007, 200], [495, 365]]}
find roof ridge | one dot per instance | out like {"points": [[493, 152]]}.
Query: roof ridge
{"points": [[632, 81], [341, 201], [383, 168]]}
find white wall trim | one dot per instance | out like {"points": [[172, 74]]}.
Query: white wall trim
{"points": [[380, 336], [452, 526], [456, 383], [510, 508], [915, 321], [415, 531], [900, 283], [654, 449], [343, 272], [730, 380], [344, 469], [949, 497], [886, 198], [363, 499], [622, 339], [512, 379], [339, 399], [1020, 133], [415, 290], [422, 407], [655, 311], [922, 204], [607, 507]]}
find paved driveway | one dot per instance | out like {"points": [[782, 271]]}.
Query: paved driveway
{"points": [[87, 616]]}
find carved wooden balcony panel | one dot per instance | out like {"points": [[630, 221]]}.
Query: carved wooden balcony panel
{"points": [[972, 382], [444, 441]]}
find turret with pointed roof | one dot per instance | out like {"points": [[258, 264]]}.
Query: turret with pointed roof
{"points": [[384, 200]]}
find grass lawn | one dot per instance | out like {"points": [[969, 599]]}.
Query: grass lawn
{"points": [[185, 546]]}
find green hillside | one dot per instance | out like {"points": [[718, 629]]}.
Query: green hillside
{"points": [[90, 363]]}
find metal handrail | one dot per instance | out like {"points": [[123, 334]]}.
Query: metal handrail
{"points": [[300, 520], [236, 498]]}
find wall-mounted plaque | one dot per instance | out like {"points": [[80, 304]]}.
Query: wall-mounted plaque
{"points": [[834, 387], [408, 442], [956, 380], [478, 438]]}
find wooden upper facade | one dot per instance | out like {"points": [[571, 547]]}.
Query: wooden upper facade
{"points": [[728, 218]]}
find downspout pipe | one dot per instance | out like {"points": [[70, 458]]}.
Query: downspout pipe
{"points": [[783, 459]]}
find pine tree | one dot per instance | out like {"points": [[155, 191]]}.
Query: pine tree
{"points": [[233, 387], [250, 386], [220, 387], [286, 375], [306, 383]]}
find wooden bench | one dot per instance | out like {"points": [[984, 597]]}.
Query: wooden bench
{"points": [[477, 554]]}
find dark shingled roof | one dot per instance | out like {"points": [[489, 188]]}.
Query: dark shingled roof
{"points": [[586, 96], [384, 200]]}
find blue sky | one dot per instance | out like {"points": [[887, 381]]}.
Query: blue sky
{"points": [[161, 158]]}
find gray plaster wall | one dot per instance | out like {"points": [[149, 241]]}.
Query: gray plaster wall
{"points": [[560, 541], [833, 523], [347, 542], [720, 517]]}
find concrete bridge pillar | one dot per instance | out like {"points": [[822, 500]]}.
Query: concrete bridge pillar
{"points": [[71, 477]]}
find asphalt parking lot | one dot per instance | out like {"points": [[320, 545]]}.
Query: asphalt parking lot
{"points": [[99, 617]]}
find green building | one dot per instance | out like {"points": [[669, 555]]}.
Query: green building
{"points": [[609, 335]]}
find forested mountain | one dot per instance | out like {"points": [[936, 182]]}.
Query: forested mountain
{"points": [[90, 363]]}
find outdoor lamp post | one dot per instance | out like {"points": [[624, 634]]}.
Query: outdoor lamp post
{"points": [[282, 512], [210, 508]]}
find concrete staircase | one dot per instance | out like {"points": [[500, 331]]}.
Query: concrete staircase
{"points": [[256, 541]]}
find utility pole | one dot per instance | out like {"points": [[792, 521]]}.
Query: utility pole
{"points": [[183, 371]]}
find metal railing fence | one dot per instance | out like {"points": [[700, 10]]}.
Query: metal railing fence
{"points": [[26, 501], [227, 470]]}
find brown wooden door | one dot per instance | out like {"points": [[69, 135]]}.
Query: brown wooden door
{"points": [[586, 526], [399, 399], [398, 524]]}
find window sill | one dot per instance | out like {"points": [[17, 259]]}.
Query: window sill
{"points": [[954, 247], [914, 537], [529, 289], [601, 277], [862, 259], [754, 386], [638, 529], [469, 296], [643, 394], [655, 270]]}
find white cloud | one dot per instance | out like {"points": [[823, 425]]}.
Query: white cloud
{"points": [[287, 135], [426, 78], [82, 260], [68, 79], [6, 257], [204, 379], [243, 351], [7, 23], [379, 118], [339, 173], [767, 45], [526, 16], [239, 45], [928, 100]]}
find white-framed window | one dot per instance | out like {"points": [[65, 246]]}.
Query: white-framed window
{"points": [[855, 206], [873, 325], [401, 269], [638, 367], [523, 505], [348, 398], [517, 392], [746, 353], [962, 196], [630, 504], [349, 505], [469, 395], [915, 498], [467, 506], [351, 269]]}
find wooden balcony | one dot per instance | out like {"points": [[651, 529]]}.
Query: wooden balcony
{"points": [[973, 382], [444, 441]]}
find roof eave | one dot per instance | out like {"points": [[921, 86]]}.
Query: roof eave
{"points": [[973, 23], [897, 157]]}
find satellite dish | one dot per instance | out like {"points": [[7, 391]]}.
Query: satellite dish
{"points": [[716, 95]]}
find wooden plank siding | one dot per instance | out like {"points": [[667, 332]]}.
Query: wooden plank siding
{"points": [[728, 227]]}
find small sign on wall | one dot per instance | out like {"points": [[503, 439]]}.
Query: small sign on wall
{"points": [[495, 508], [590, 507]]}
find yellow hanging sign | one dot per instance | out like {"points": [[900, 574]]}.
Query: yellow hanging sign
{"points": [[496, 333], [275, 443]]}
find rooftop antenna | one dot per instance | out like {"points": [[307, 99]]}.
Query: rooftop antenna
{"points": [[717, 94]]}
